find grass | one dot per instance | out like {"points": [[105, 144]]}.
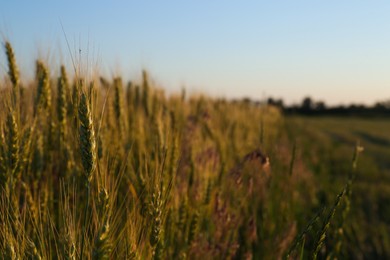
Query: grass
{"points": [[327, 149], [107, 170]]}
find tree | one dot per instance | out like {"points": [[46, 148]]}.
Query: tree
{"points": [[307, 104], [320, 105]]}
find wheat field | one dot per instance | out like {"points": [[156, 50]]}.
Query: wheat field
{"points": [[107, 169]]}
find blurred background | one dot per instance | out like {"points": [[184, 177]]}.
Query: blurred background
{"points": [[334, 51]]}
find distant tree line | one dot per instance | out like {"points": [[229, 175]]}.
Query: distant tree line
{"points": [[311, 107]]}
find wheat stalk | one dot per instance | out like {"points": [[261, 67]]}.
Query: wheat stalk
{"points": [[87, 138], [43, 98], [13, 149], [13, 73], [88, 151], [146, 92], [103, 244], [62, 88]]}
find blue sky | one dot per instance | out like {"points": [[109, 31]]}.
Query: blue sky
{"points": [[336, 51]]}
